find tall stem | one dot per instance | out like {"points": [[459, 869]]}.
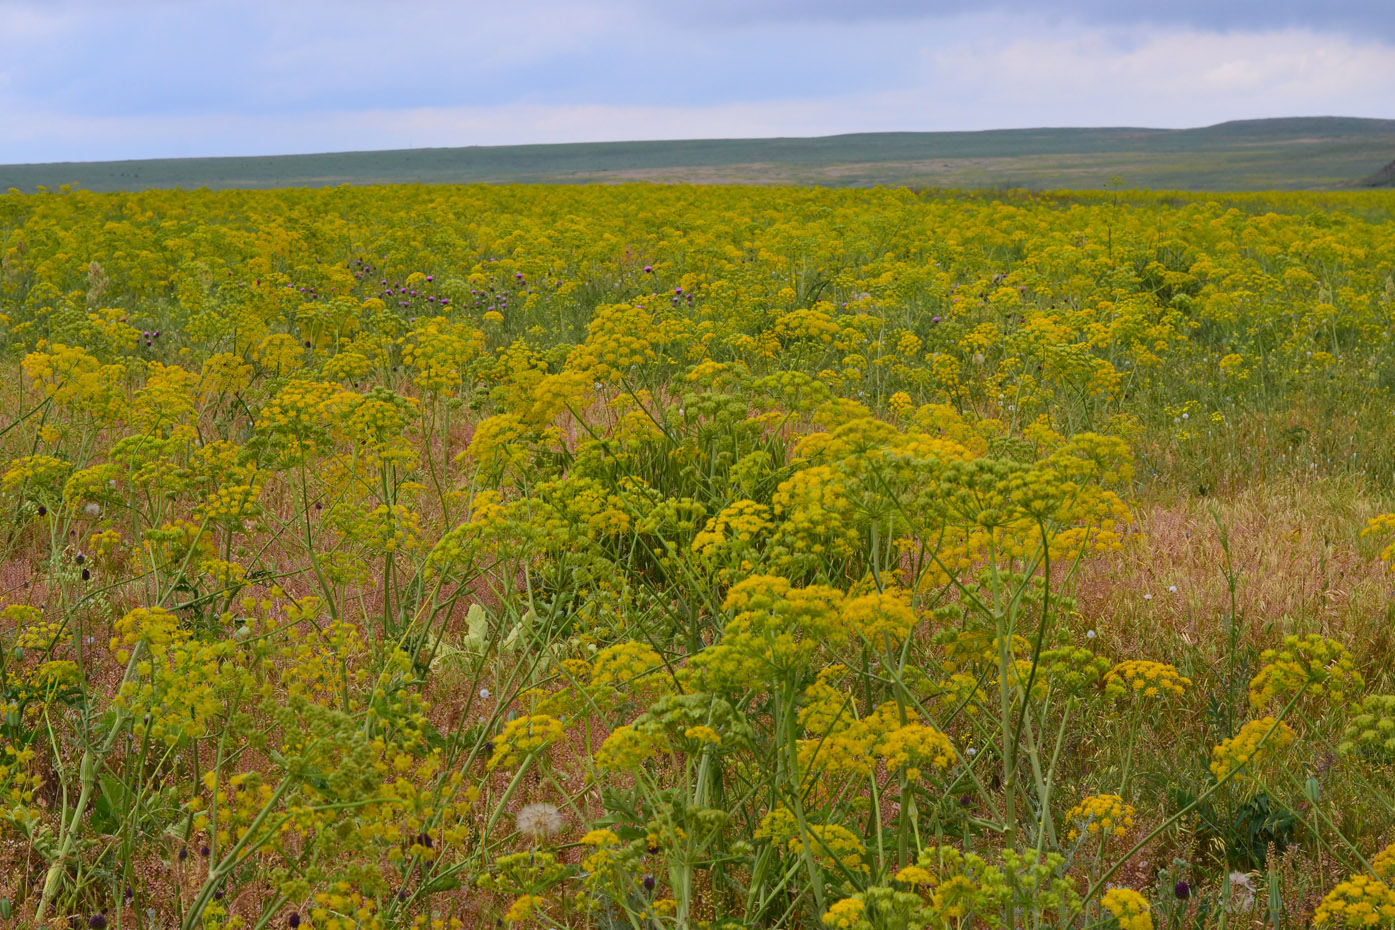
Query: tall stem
{"points": [[87, 780]]}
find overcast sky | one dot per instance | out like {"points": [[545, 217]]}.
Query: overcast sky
{"points": [[103, 79]]}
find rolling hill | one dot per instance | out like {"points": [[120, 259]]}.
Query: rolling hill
{"points": [[1285, 154]]}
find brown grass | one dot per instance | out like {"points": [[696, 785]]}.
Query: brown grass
{"points": [[1300, 564]]}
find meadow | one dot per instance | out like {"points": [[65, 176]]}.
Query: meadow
{"points": [[669, 556]]}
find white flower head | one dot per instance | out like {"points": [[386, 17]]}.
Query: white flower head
{"points": [[93, 508], [540, 820]]}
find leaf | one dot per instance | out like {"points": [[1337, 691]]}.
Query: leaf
{"points": [[442, 883], [477, 626]]}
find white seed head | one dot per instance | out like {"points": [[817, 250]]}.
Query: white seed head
{"points": [[539, 820]]}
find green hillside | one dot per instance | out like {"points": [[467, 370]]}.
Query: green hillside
{"points": [[1299, 153]]}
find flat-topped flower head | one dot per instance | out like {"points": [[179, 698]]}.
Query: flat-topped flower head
{"points": [[1146, 680]]}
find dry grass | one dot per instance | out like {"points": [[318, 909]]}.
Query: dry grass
{"points": [[1299, 562]]}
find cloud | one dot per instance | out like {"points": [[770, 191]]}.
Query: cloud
{"points": [[1354, 17], [1174, 77]]}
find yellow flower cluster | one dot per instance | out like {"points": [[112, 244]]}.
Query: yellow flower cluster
{"points": [[1311, 664], [1359, 902], [1257, 740], [1104, 816], [1383, 525], [1130, 909], [522, 737], [1145, 679]]}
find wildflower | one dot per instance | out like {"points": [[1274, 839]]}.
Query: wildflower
{"points": [[914, 746], [847, 914], [1383, 864], [1130, 909], [883, 619], [1320, 667], [522, 908], [1358, 902], [1102, 815], [1145, 679], [1257, 740], [522, 737]]}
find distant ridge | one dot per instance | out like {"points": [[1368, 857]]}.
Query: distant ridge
{"points": [[1288, 153], [1385, 177]]}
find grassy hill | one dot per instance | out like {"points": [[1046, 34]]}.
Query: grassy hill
{"points": [[1299, 153], [1385, 177]]}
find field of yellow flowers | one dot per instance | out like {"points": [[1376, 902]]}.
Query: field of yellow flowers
{"points": [[647, 557]]}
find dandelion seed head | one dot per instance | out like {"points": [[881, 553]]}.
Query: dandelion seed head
{"points": [[539, 820]]}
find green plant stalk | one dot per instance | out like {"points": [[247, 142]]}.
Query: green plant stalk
{"points": [[87, 780], [233, 859], [797, 800], [1099, 883]]}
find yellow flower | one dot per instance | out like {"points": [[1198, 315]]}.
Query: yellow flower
{"points": [[847, 914], [1359, 902], [884, 619], [1257, 740], [523, 908], [1105, 816], [1145, 679], [1321, 667], [522, 737], [1130, 909], [915, 746]]}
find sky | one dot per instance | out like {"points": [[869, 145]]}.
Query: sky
{"points": [[84, 80]]}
